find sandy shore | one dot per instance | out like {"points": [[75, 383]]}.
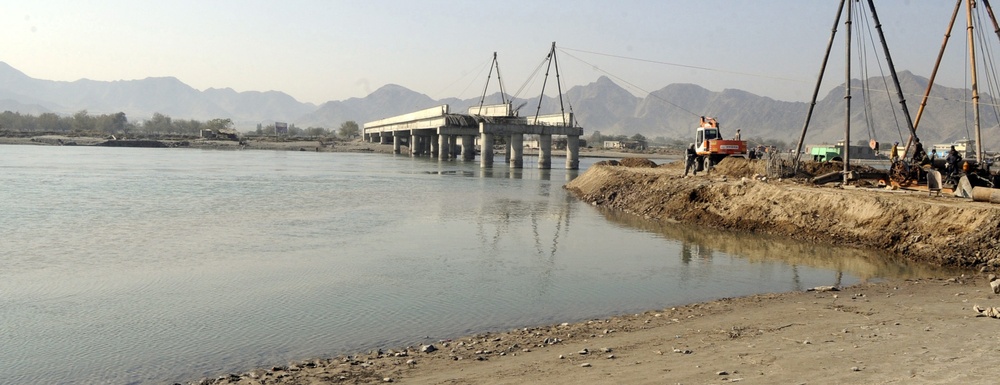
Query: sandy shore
{"points": [[917, 331]]}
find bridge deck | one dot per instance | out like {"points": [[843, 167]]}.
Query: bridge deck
{"points": [[434, 131]]}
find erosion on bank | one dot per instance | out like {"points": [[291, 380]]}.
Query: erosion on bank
{"points": [[942, 230]]}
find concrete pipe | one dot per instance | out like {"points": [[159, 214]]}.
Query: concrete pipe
{"points": [[986, 194]]}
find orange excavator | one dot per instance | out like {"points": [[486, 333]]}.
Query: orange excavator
{"points": [[710, 146]]}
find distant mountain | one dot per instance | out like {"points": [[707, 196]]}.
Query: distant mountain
{"points": [[671, 112], [140, 99], [389, 100], [255, 106]]}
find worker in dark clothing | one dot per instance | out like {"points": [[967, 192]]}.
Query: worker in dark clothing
{"points": [[951, 162], [689, 161], [919, 155]]}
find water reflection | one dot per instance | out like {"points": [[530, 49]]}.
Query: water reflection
{"points": [[701, 244]]}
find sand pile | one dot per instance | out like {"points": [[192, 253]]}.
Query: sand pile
{"points": [[740, 167], [941, 230], [637, 162]]}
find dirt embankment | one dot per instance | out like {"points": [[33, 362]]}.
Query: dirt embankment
{"points": [[942, 230]]}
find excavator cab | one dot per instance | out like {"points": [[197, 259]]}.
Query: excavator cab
{"points": [[708, 130], [710, 146]]}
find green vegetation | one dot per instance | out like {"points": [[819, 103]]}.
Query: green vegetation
{"points": [[83, 123], [348, 130], [78, 122]]}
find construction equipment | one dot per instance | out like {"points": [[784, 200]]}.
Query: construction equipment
{"points": [[710, 146]]}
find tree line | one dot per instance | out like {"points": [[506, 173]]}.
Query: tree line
{"points": [[159, 124]]}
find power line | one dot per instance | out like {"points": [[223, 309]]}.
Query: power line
{"points": [[629, 83], [686, 65]]}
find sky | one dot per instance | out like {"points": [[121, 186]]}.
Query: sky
{"points": [[319, 51]]}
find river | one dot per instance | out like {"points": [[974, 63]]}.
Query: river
{"points": [[125, 265]]}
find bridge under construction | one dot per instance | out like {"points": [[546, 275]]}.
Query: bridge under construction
{"points": [[436, 132]]}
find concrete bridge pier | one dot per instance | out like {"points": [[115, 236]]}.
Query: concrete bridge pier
{"points": [[453, 146], [435, 149], [414, 144], [516, 144], [397, 141], [468, 147], [545, 151], [486, 151], [573, 152], [506, 153], [444, 147]]}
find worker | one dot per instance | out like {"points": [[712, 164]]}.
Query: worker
{"points": [[737, 137], [894, 154], [951, 162], [919, 155], [689, 161]]}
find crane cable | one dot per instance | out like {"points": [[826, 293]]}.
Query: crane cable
{"points": [[481, 67], [895, 117], [863, 65], [531, 78]]}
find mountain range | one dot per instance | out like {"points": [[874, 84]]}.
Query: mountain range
{"points": [[670, 112]]}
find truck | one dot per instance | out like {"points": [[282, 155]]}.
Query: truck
{"points": [[712, 148]]}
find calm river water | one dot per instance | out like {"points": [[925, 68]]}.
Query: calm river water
{"points": [[159, 265]]}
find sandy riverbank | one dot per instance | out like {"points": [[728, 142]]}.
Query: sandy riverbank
{"points": [[913, 331]]}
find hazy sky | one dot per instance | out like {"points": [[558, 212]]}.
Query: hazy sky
{"points": [[319, 51]]}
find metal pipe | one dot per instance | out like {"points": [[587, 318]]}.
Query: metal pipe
{"points": [[892, 70], [819, 82], [975, 84], [847, 92], [989, 11], [930, 83]]}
